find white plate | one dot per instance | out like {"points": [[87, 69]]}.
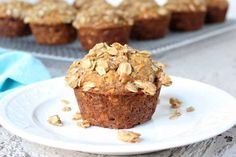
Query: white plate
{"points": [[25, 114]]}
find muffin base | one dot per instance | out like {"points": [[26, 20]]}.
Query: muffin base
{"points": [[187, 21], [12, 27], [90, 36], [216, 15], [53, 34], [117, 111], [146, 29]]}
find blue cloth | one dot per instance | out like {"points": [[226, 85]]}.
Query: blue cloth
{"points": [[18, 69]]}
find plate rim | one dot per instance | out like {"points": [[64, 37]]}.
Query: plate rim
{"points": [[99, 149]]}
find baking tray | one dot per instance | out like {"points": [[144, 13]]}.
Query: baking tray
{"points": [[74, 51]]}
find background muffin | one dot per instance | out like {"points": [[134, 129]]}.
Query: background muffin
{"points": [[187, 15], [216, 11], [51, 22], [150, 20], [116, 86], [85, 4], [102, 24], [11, 19]]}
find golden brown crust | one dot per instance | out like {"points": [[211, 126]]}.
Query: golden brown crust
{"points": [[86, 4], [14, 9], [117, 69], [50, 13], [186, 5], [90, 36], [50, 35], [121, 111], [140, 9], [220, 4], [187, 21], [99, 17], [12, 27]]}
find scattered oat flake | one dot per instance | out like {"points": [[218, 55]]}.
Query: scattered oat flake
{"points": [[190, 109], [66, 109], [77, 116], [88, 85], [65, 102], [128, 136], [84, 124], [175, 114], [131, 87], [165, 80], [175, 103], [55, 120]]}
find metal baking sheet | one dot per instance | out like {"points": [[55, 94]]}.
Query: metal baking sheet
{"points": [[74, 51]]}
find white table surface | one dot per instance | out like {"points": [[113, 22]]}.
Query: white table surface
{"points": [[211, 61]]}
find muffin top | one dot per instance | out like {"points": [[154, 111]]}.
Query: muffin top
{"points": [[51, 12], [186, 5], [218, 3], [15, 9], [85, 4], [102, 16], [140, 9], [117, 69]]}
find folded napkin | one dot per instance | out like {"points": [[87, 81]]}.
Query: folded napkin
{"points": [[19, 69]]}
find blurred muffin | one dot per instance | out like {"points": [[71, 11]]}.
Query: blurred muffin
{"points": [[216, 11], [102, 24], [187, 15], [117, 86], [85, 4], [51, 22], [150, 20], [11, 19]]}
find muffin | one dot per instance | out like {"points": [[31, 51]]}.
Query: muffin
{"points": [[51, 22], [150, 20], [11, 19], [216, 11], [85, 4], [116, 86], [187, 15], [102, 24]]}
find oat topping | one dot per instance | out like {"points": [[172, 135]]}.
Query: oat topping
{"points": [[128, 136], [15, 9], [186, 5], [140, 9], [86, 4], [100, 17], [190, 109], [51, 12], [65, 102], [55, 120], [77, 116], [66, 109], [175, 103], [175, 114], [117, 68], [84, 124]]}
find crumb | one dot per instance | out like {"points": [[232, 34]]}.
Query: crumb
{"points": [[190, 109], [175, 114], [77, 116], [228, 138], [84, 124], [55, 120], [128, 136], [175, 103], [65, 102], [66, 109]]}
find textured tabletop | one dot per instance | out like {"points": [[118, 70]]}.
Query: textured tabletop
{"points": [[211, 61]]}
